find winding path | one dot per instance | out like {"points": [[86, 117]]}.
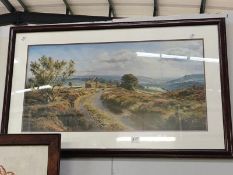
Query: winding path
{"points": [[79, 106], [125, 117]]}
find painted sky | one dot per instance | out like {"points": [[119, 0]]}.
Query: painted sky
{"points": [[121, 58]]}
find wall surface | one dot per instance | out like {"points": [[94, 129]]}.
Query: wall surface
{"points": [[136, 166]]}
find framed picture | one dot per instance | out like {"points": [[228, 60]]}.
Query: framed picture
{"points": [[29, 154], [147, 89]]}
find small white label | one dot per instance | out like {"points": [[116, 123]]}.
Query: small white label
{"points": [[135, 139]]}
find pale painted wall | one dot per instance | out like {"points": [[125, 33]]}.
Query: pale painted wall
{"points": [[137, 166]]}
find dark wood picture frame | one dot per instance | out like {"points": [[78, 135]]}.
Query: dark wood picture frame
{"points": [[198, 153], [50, 140]]}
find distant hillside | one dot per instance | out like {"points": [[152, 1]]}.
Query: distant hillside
{"points": [[166, 84], [100, 77], [152, 81], [184, 82], [142, 79]]}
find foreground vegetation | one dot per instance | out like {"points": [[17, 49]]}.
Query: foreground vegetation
{"points": [[59, 115], [178, 110], [72, 112]]}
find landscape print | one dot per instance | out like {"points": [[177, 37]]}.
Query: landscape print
{"points": [[118, 86]]}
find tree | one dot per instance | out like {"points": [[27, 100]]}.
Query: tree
{"points": [[129, 81], [70, 84], [52, 72]]}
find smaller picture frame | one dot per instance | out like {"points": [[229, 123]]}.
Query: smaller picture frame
{"points": [[27, 154]]}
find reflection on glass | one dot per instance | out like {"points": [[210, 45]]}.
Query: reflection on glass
{"points": [[211, 60], [145, 54], [35, 88], [174, 56]]}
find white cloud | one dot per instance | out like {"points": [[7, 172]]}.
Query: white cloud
{"points": [[127, 61]]}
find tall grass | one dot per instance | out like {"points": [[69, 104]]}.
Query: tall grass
{"points": [[181, 109]]}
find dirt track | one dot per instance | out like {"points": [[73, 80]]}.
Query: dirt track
{"points": [[130, 121]]}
